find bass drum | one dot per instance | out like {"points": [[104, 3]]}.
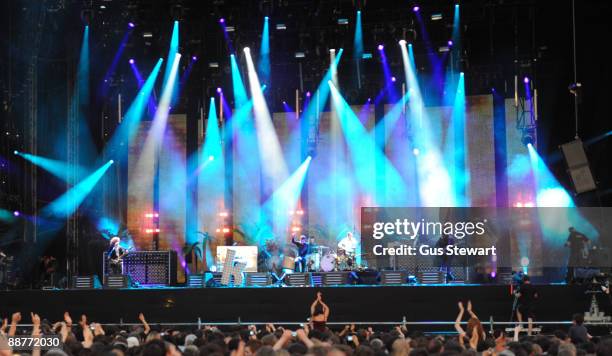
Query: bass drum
{"points": [[313, 261], [328, 263]]}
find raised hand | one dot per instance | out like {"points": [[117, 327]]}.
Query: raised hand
{"points": [[67, 319], [35, 319], [460, 304], [469, 305], [83, 321], [16, 318]]}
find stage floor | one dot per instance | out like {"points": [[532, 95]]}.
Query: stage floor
{"points": [[291, 304]]}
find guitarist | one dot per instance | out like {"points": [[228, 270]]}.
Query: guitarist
{"points": [[115, 256]]}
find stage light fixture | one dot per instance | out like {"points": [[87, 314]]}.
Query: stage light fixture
{"points": [[131, 25], [230, 29], [393, 79], [16, 213], [450, 43], [219, 90], [443, 49], [213, 65], [528, 137], [343, 21], [526, 80], [194, 58], [366, 56], [308, 94], [246, 49], [299, 55], [147, 34], [131, 60], [332, 50], [436, 17], [416, 151], [281, 26], [381, 47], [416, 8], [211, 158], [402, 42], [222, 20], [15, 152]]}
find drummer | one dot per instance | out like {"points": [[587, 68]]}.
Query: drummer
{"points": [[348, 244]]}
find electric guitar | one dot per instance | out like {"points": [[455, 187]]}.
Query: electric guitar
{"points": [[117, 260]]}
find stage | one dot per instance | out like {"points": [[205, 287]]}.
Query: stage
{"points": [[291, 304]]}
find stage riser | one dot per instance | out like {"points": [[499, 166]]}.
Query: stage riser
{"points": [[391, 303]]}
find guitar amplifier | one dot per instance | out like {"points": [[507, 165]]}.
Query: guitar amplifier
{"points": [[149, 267]]}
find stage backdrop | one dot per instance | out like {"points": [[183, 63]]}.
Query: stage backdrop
{"points": [[345, 172]]}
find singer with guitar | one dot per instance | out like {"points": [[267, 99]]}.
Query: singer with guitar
{"points": [[115, 255]]}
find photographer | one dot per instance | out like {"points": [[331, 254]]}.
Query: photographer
{"points": [[526, 295]]}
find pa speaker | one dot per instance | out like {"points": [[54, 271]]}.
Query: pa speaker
{"points": [[578, 166]]}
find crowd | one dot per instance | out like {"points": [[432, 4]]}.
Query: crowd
{"points": [[314, 338]]}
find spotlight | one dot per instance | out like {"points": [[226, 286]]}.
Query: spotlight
{"points": [[393, 79], [222, 20], [436, 17], [369, 100], [16, 213], [415, 151], [402, 42], [526, 80], [246, 49], [194, 58], [213, 65], [299, 55], [131, 60], [266, 18], [381, 47], [219, 90], [131, 25], [416, 8], [284, 102], [111, 161], [308, 94], [332, 50], [230, 29], [16, 152], [450, 42], [525, 261], [211, 158]]}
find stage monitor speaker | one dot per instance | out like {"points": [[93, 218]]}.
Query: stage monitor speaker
{"points": [[195, 281], [335, 278], [393, 277], [298, 279], [117, 281], [578, 166], [86, 282], [430, 275], [258, 279]]}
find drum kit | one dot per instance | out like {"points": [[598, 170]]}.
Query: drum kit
{"points": [[323, 259]]}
